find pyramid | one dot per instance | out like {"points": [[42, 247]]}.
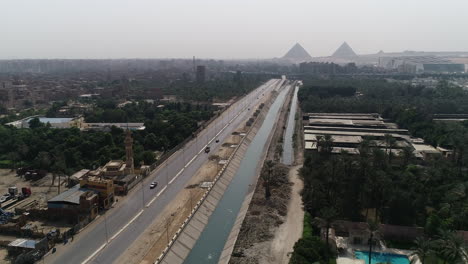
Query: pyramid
{"points": [[297, 52], [344, 51]]}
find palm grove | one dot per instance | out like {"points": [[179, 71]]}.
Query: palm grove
{"points": [[398, 190]]}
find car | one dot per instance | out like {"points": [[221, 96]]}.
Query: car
{"points": [[217, 140], [153, 185], [207, 149]]}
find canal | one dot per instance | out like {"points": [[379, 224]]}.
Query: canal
{"points": [[209, 246], [288, 148]]}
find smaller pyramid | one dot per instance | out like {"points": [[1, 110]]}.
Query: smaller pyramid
{"points": [[297, 52], [344, 51]]}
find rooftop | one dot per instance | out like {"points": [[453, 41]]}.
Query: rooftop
{"points": [[23, 243], [70, 196], [79, 174], [336, 139]]}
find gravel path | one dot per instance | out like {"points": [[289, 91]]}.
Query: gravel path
{"points": [[291, 230]]}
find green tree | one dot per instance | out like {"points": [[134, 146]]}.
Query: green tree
{"points": [[451, 248], [325, 220], [35, 123], [422, 250], [148, 157]]}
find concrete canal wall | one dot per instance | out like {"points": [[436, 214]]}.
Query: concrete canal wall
{"points": [[184, 240]]}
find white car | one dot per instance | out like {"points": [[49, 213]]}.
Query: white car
{"points": [[153, 185]]}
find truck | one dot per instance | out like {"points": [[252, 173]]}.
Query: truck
{"points": [[31, 174]]}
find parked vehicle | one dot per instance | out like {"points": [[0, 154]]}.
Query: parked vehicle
{"points": [[207, 149], [26, 191]]}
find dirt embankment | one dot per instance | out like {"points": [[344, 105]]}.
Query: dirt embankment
{"points": [[265, 216]]}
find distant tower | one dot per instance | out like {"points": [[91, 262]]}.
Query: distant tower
{"points": [[129, 152], [193, 69], [201, 74]]}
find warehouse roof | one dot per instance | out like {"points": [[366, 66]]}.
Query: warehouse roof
{"points": [[70, 196]]}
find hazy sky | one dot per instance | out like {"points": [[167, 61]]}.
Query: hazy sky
{"points": [[226, 28]]}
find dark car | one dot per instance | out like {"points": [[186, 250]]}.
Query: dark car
{"points": [[207, 149]]}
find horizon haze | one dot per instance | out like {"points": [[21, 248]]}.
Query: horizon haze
{"points": [[226, 29]]}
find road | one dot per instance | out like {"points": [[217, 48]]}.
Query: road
{"points": [[134, 213]]}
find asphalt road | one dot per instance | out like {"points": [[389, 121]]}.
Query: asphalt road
{"points": [[122, 225]]}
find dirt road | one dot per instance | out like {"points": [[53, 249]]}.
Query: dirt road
{"points": [[291, 230]]}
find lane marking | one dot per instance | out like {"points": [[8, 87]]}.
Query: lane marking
{"points": [[157, 195], [112, 238], [177, 175], [190, 162], [94, 254], [126, 225], [203, 149], [160, 192]]}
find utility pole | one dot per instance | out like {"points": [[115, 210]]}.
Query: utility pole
{"points": [[183, 155], [142, 193], [59, 184], [191, 199], [167, 173], [105, 225]]}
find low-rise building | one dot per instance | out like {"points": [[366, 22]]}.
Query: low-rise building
{"points": [[74, 202], [347, 131], [114, 168], [104, 187]]}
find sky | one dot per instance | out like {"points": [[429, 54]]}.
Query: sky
{"points": [[226, 29]]}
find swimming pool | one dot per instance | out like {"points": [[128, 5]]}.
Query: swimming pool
{"points": [[382, 257]]}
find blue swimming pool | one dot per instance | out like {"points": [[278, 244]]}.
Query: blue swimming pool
{"points": [[382, 257]]}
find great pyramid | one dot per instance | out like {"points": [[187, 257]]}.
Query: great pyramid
{"points": [[344, 51], [297, 52]]}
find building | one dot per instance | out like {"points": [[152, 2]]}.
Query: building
{"points": [[347, 131], [117, 176], [201, 74], [58, 122], [77, 176], [22, 245], [113, 168], [104, 187], [73, 203], [421, 64]]}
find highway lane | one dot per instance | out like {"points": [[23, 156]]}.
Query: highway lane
{"points": [[140, 205]]}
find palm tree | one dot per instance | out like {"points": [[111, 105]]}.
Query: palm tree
{"points": [[325, 144], [373, 229], [407, 155], [422, 249], [451, 248], [327, 216], [390, 143]]}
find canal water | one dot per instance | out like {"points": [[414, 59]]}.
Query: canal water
{"points": [[210, 244], [288, 150]]}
